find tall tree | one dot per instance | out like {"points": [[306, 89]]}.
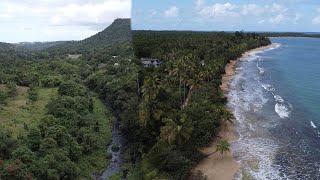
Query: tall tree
{"points": [[177, 130]]}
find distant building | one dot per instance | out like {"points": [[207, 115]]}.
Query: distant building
{"points": [[148, 62], [74, 56]]}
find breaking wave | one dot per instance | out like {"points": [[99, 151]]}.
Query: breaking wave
{"points": [[313, 125], [282, 108], [268, 87]]}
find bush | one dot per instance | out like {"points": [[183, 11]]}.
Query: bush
{"points": [[52, 81], [117, 176], [108, 155], [3, 97], [33, 94], [71, 88], [115, 147]]}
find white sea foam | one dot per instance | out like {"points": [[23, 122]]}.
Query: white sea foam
{"points": [[251, 57], [256, 156], [268, 87], [255, 78], [278, 99], [313, 125], [275, 46], [254, 149], [282, 110], [261, 70]]}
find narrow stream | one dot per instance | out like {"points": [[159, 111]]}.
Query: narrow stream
{"points": [[117, 161]]}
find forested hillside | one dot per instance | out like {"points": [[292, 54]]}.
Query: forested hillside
{"points": [[114, 35], [6, 47], [23, 46], [52, 125]]}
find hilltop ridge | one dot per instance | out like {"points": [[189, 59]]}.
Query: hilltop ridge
{"points": [[115, 34], [118, 32]]}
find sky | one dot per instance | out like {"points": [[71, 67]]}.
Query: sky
{"points": [[227, 15], [54, 20]]}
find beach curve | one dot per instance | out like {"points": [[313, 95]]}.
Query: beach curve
{"points": [[218, 166]]}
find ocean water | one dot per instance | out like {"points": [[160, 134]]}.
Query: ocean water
{"points": [[275, 97]]}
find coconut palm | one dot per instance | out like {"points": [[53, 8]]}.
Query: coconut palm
{"points": [[223, 147], [151, 88], [226, 115], [149, 106], [177, 130], [193, 83]]}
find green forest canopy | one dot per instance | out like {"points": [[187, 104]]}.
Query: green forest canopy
{"points": [[166, 113]]}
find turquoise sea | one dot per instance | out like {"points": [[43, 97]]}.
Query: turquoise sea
{"points": [[275, 96]]}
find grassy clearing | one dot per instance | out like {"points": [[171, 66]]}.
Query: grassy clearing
{"points": [[18, 112]]}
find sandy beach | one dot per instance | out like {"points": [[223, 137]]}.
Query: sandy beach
{"points": [[217, 166]]}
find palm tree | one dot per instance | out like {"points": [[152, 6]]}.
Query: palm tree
{"points": [[226, 115], [149, 106], [176, 130], [151, 87], [193, 83], [223, 147]]}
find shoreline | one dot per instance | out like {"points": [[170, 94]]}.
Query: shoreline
{"points": [[215, 166]]}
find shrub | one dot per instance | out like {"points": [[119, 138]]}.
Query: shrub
{"points": [[115, 147]]}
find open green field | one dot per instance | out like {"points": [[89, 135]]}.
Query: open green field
{"points": [[19, 112]]}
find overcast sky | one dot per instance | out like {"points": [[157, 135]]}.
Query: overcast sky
{"points": [[227, 15], [53, 20]]}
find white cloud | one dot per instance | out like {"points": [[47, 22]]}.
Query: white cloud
{"points": [[199, 3], [86, 16], [274, 14], [252, 9], [316, 20], [90, 14], [296, 18], [219, 10], [153, 12], [173, 11], [278, 19], [277, 8], [281, 18]]}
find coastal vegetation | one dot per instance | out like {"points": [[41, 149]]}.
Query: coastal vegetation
{"points": [[181, 107], [57, 110], [290, 34]]}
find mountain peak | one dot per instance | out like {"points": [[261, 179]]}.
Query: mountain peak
{"points": [[118, 32]]}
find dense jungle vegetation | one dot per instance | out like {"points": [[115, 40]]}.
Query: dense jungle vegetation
{"points": [[56, 110], [181, 106], [52, 126]]}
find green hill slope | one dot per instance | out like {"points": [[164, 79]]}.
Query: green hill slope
{"points": [[118, 32]]}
